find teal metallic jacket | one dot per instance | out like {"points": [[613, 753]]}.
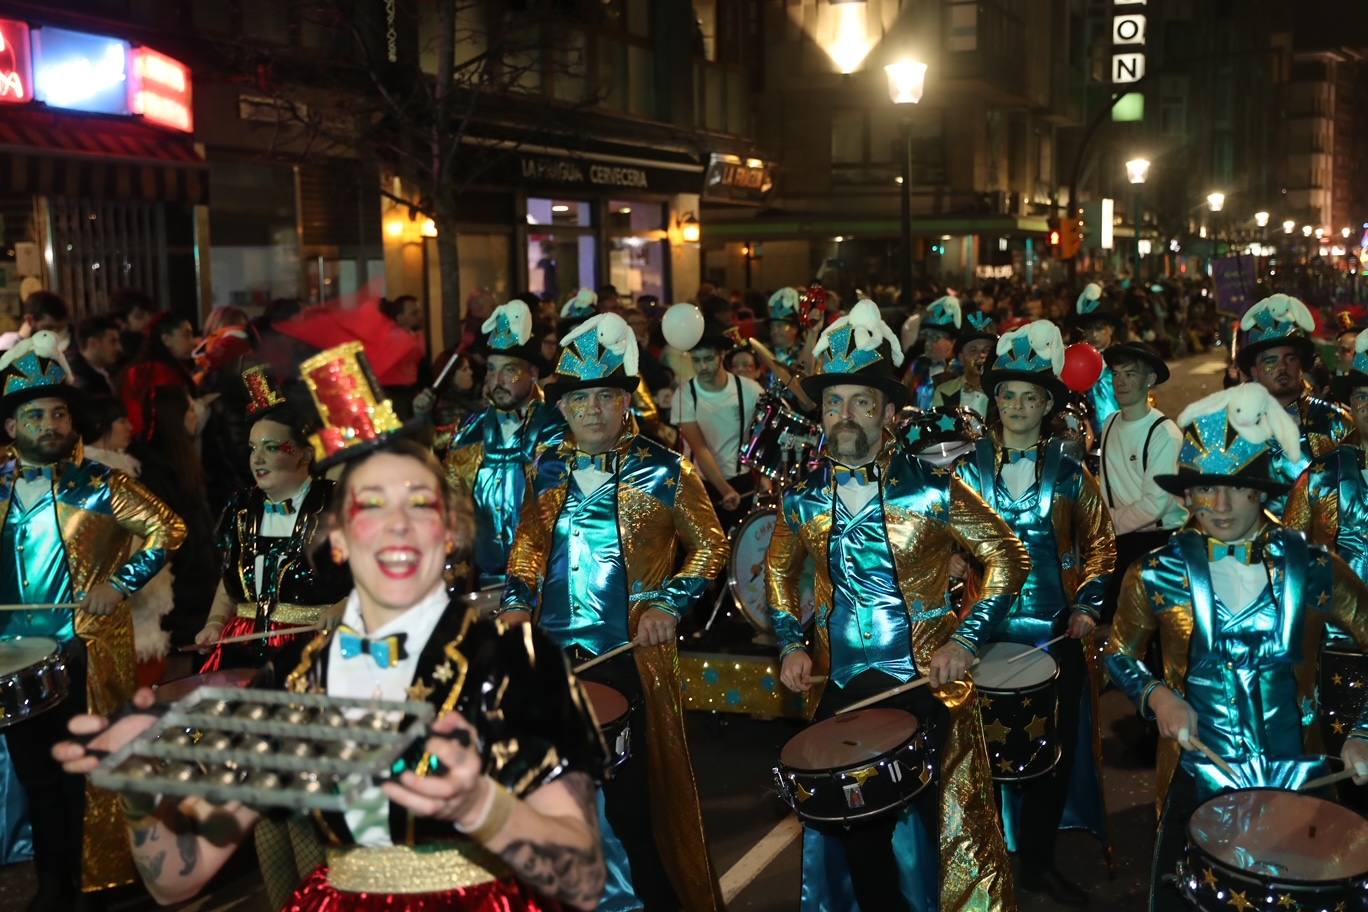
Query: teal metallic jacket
{"points": [[1102, 398], [1324, 425], [1064, 525], [1249, 674], [495, 473], [1329, 503]]}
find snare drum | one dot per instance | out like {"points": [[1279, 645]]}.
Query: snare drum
{"points": [[1019, 702], [746, 571], [855, 766], [1276, 849], [1343, 687], [781, 441], [613, 713], [33, 678]]}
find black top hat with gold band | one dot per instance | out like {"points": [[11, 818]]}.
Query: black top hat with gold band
{"points": [[354, 416], [263, 395], [858, 349], [35, 369]]}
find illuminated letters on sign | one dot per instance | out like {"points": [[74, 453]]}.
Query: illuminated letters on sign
{"points": [[80, 71], [159, 89], [1128, 67], [1128, 30], [16, 76]]}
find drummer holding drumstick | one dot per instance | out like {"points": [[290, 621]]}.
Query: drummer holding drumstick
{"points": [[1241, 605], [880, 526]]}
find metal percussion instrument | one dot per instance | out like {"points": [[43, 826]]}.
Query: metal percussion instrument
{"points": [[613, 714], [268, 748], [1274, 850], [855, 766], [1019, 703], [781, 441], [1343, 688], [33, 678], [486, 601], [171, 691], [746, 571]]}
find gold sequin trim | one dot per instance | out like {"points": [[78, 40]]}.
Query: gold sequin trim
{"points": [[286, 613], [402, 869]]}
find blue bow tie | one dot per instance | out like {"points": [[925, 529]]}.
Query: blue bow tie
{"points": [[1246, 552], [33, 473], [1018, 455], [283, 508], [386, 651], [859, 474], [585, 461]]}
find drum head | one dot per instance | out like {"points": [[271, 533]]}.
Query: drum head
{"points": [[996, 671], [1283, 835], [848, 740], [172, 691], [609, 704], [19, 653], [750, 541]]}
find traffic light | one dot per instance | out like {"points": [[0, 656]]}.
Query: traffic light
{"points": [[1054, 233], [1070, 238]]}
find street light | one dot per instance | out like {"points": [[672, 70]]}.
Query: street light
{"points": [[1261, 219], [906, 81], [1289, 225], [1216, 200], [1344, 232], [1306, 230], [1137, 169]]}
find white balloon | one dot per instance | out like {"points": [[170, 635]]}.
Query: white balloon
{"points": [[682, 326]]}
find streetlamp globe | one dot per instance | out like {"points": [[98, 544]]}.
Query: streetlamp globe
{"points": [[1289, 226], [1137, 169], [1216, 200], [1306, 230], [906, 80], [1261, 219], [1345, 232]]}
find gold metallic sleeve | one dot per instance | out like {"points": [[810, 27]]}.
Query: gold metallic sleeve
{"points": [[528, 556], [783, 567], [1348, 602], [987, 536], [142, 513], [461, 464], [1315, 512], [699, 531], [1093, 532], [644, 404]]}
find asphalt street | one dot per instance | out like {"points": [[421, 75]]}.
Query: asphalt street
{"points": [[754, 839]]}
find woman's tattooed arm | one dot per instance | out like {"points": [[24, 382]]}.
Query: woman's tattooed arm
{"points": [[564, 860]]}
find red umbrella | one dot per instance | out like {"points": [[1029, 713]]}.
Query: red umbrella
{"points": [[394, 353]]}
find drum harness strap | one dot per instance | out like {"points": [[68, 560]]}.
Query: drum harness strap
{"points": [[740, 414]]}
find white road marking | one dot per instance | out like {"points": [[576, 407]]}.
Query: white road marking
{"points": [[1209, 367], [759, 857]]}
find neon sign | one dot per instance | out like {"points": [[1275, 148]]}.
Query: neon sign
{"points": [[159, 89], [16, 78], [80, 71]]}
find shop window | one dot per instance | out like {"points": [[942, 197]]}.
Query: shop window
{"points": [[560, 263], [641, 81], [636, 267], [612, 74], [634, 215], [569, 63], [544, 211]]}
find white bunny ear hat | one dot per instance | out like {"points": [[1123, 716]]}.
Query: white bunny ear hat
{"points": [[1211, 455], [859, 349], [601, 351], [32, 369], [1277, 321]]}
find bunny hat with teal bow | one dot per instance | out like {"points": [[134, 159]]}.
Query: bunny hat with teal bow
{"points": [[1230, 438], [35, 368], [601, 351], [783, 306], [1278, 320], [945, 315], [1033, 353], [977, 325], [1091, 307], [508, 331], [858, 349]]}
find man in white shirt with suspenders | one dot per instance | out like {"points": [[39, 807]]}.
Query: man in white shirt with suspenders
{"points": [[1138, 443]]}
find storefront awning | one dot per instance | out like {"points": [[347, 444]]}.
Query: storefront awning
{"points": [[91, 157], [778, 227]]}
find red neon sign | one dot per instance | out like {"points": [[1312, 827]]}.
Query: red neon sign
{"points": [[159, 89], [16, 70]]}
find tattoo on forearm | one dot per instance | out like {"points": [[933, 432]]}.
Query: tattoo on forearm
{"points": [[142, 834], [566, 873], [150, 866], [188, 845]]}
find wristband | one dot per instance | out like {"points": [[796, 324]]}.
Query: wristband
{"points": [[498, 807]]}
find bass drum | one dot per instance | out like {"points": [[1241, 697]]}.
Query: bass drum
{"points": [[749, 542]]}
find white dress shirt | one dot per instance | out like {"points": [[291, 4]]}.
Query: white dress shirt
{"points": [[856, 494], [279, 525], [360, 677], [1018, 476], [1238, 584]]}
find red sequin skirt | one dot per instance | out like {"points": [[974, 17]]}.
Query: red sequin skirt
{"points": [[316, 894], [240, 626]]}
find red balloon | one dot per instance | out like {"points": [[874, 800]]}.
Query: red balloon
{"points": [[1082, 366]]}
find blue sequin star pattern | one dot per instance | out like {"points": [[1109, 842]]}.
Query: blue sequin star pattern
{"points": [[842, 359]]}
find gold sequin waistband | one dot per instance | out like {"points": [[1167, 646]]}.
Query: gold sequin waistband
{"points": [[405, 869], [287, 613]]}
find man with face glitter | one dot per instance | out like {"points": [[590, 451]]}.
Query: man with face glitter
{"points": [[939, 330], [1241, 604], [1053, 505], [66, 525], [489, 456], [1277, 352], [1101, 325], [594, 565], [974, 349], [881, 526]]}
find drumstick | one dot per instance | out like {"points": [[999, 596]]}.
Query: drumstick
{"points": [[1211, 755], [1034, 649], [891, 692], [41, 607], [605, 657], [1311, 785], [246, 637]]}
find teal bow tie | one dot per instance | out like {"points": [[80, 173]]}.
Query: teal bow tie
{"points": [[586, 461], [283, 508], [386, 651], [859, 474], [33, 473], [1246, 552], [1018, 455]]}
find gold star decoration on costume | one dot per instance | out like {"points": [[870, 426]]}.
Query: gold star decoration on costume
{"points": [[1337, 679], [1005, 765], [1026, 703], [642, 453], [1337, 727], [801, 486], [1322, 561], [1036, 727], [1158, 599], [1322, 598], [1210, 878], [1154, 562], [987, 701], [670, 482], [419, 691], [1239, 902], [893, 482], [1286, 901], [462, 569], [444, 673], [995, 732], [940, 471]]}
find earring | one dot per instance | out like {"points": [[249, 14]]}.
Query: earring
{"points": [[337, 556], [450, 547]]}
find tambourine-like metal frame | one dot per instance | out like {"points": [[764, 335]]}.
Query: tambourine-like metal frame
{"points": [[336, 783], [883, 785], [33, 689]]}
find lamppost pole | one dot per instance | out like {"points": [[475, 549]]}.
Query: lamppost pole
{"points": [[906, 80], [1137, 170]]}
